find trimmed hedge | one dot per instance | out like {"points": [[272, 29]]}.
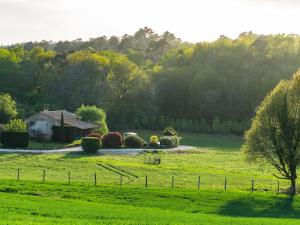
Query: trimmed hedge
{"points": [[112, 140], [14, 139], [134, 141], [91, 144], [169, 141]]}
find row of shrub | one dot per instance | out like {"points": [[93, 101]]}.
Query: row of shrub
{"points": [[95, 141]]}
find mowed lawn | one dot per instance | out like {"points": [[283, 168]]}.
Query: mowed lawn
{"points": [[81, 202], [216, 158], [34, 203]]}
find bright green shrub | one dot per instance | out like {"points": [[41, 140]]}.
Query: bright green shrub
{"points": [[16, 125], [133, 141], [154, 142], [91, 144]]}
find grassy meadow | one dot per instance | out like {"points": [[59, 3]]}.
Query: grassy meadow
{"points": [[216, 157]]}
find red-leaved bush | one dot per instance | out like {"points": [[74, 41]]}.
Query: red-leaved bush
{"points": [[112, 140], [96, 135]]}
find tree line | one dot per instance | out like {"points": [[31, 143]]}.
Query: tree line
{"points": [[150, 81]]}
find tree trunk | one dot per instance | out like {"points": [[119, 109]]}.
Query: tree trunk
{"points": [[293, 186], [293, 180]]}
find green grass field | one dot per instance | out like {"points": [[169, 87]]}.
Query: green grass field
{"points": [[35, 203], [217, 157]]}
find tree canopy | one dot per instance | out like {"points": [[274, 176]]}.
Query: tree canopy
{"points": [[150, 80], [93, 115], [274, 135]]}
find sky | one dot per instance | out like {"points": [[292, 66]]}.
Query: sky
{"points": [[190, 20]]}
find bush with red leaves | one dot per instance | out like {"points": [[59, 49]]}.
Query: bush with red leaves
{"points": [[96, 135], [112, 140]]}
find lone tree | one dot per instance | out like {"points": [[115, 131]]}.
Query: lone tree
{"points": [[275, 131]]}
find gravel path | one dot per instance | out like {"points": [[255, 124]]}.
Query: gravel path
{"points": [[100, 152]]}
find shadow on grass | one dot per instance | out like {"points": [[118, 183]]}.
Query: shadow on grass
{"points": [[82, 154], [276, 207]]}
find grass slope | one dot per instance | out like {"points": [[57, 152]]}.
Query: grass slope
{"points": [[217, 157], [36, 203]]}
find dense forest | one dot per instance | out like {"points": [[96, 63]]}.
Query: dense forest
{"points": [[147, 80]]}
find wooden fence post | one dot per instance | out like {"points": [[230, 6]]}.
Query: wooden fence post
{"points": [[172, 181], [278, 186], [44, 175], [225, 184], [146, 181], [95, 179], [121, 180], [18, 174], [198, 183], [69, 177], [252, 188]]}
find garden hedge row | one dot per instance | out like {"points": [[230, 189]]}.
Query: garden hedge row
{"points": [[14, 139]]}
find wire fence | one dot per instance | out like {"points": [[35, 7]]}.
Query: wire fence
{"points": [[197, 182]]}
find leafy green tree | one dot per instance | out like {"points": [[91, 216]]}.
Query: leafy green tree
{"points": [[8, 108], [274, 135], [93, 115]]}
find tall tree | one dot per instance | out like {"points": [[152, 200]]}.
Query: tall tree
{"points": [[274, 135]]}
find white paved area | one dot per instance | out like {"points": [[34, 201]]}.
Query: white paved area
{"points": [[101, 151]]}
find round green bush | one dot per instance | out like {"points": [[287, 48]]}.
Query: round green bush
{"points": [[91, 144], [112, 140], [169, 141], [134, 141]]}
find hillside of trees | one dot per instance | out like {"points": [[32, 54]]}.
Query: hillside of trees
{"points": [[147, 80]]}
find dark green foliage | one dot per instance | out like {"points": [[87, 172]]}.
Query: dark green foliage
{"points": [[91, 144], [169, 141], [149, 81], [112, 140], [14, 139], [133, 141], [62, 128]]}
